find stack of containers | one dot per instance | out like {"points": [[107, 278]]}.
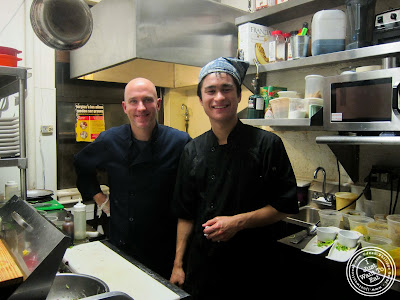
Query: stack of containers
{"points": [[8, 56]]}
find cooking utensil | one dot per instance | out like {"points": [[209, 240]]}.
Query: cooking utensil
{"points": [[300, 236], [62, 24]]}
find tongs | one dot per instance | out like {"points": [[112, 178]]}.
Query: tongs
{"points": [[298, 237]]}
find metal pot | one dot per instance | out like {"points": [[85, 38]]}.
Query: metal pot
{"points": [[62, 24], [76, 286]]}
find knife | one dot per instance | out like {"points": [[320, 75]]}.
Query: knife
{"points": [[37, 205]]}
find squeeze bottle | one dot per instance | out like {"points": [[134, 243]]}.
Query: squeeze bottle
{"points": [[79, 211]]}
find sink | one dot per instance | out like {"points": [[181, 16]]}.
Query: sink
{"points": [[306, 217], [110, 296]]}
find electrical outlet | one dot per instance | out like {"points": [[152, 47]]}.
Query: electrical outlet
{"points": [[384, 177], [46, 129]]}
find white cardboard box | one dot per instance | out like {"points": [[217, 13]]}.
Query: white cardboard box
{"points": [[253, 42]]}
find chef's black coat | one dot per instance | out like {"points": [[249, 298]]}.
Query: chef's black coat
{"points": [[251, 171], [141, 179]]}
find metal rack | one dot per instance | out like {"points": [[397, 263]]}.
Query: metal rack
{"points": [[13, 80]]}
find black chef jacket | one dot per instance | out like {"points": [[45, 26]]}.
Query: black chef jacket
{"points": [[251, 171], [141, 188]]}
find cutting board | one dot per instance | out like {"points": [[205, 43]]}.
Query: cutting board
{"points": [[119, 274], [10, 273], [53, 205]]}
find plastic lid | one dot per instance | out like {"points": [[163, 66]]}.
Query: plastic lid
{"points": [[79, 206], [276, 32], [286, 34], [68, 218]]}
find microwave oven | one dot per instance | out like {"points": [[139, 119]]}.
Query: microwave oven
{"points": [[364, 101]]}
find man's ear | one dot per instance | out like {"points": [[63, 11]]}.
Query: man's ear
{"points": [[201, 101]]}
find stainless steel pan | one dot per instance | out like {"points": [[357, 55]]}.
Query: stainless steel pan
{"points": [[62, 24], [34, 194]]}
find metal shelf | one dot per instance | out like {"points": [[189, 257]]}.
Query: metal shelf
{"points": [[287, 11], [13, 80], [377, 51], [358, 140]]}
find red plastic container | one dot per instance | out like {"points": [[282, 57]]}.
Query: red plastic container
{"points": [[9, 60], [9, 51]]}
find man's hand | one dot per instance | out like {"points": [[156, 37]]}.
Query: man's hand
{"points": [[221, 228], [177, 276]]}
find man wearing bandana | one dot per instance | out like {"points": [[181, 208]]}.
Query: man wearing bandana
{"points": [[235, 182]]}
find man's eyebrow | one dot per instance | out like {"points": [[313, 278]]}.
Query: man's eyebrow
{"points": [[225, 85]]}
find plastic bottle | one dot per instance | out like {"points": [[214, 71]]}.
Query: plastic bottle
{"points": [[79, 211], [10, 189], [68, 227], [277, 47]]}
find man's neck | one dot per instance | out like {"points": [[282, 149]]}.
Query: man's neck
{"points": [[142, 134], [223, 129]]}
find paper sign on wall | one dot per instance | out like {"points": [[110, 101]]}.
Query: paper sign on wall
{"points": [[89, 121]]}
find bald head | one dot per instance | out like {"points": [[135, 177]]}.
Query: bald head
{"points": [[139, 84]]}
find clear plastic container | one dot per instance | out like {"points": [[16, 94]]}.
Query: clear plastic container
{"points": [[314, 86], [329, 217], [328, 31], [378, 229], [314, 105], [394, 229], [349, 213], [359, 223], [297, 108], [377, 241], [10, 190], [280, 107]]}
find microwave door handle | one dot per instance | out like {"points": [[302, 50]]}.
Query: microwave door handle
{"points": [[396, 97]]}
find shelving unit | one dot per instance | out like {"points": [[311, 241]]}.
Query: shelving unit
{"points": [[296, 9], [13, 80]]}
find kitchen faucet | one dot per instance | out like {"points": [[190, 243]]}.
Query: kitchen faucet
{"points": [[324, 180]]}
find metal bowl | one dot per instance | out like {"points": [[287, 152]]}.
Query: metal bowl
{"points": [[76, 286]]}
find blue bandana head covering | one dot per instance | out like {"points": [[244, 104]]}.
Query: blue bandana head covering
{"points": [[235, 67]]}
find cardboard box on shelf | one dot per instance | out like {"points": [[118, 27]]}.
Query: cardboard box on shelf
{"points": [[253, 42]]}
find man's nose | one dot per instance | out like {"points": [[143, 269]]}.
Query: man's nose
{"points": [[219, 96], [141, 105]]}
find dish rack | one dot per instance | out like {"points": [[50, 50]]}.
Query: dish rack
{"points": [[13, 80]]}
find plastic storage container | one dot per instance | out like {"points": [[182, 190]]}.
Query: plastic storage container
{"points": [[314, 86], [10, 189], [329, 217], [394, 229], [277, 50], [359, 223], [378, 229], [297, 108], [328, 31], [280, 107], [345, 198], [349, 213], [79, 211]]}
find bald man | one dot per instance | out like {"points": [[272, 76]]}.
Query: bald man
{"points": [[141, 160]]}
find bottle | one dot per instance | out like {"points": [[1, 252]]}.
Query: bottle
{"points": [[277, 47], [10, 189], [288, 50], [79, 211], [256, 103], [68, 227]]}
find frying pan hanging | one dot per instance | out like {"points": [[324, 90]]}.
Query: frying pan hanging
{"points": [[62, 24]]}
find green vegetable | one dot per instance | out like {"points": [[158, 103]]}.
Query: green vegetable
{"points": [[341, 247], [326, 243]]}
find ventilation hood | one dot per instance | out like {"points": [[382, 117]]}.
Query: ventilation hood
{"points": [[165, 41]]}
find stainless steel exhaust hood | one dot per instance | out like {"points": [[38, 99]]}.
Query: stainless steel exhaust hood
{"points": [[155, 39]]}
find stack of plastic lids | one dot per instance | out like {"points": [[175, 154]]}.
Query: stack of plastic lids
{"points": [[8, 56]]}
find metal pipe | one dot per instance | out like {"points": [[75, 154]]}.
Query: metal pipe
{"points": [[324, 179]]}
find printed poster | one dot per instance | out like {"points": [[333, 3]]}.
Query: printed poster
{"points": [[89, 121]]}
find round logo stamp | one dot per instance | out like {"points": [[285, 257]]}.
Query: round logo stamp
{"points": [[371, 271]]}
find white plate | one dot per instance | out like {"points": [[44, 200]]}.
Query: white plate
{"points": [[8, 140], [8, 144], [340, 255], [9, 123], [8, 131], [8, 135], [4, 148], [313, 248], [8, 119]]}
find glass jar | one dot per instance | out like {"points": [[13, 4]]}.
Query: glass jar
{"points": [[277, 47]]}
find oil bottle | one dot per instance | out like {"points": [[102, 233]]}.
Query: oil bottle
{"points": [[256, 106]]}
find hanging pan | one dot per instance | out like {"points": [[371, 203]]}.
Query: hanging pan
{"points": [[62, 24]]}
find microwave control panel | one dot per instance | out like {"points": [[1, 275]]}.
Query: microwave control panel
{"points": [[386, 18]]}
